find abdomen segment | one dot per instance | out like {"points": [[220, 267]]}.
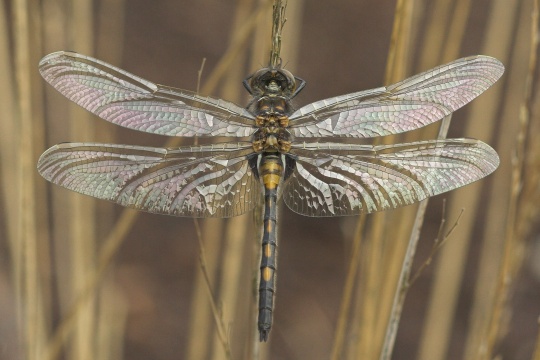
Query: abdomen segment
{"points": [[271, 171]]}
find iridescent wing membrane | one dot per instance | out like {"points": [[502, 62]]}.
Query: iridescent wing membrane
{"points": [[330, 179], [341, 179], [199, 181], [408, 105], [130, 101]]}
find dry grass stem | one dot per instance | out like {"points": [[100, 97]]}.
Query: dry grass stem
{"points": [[201, 327], [29, 241], [396, 67], [346, 299], [218, 315], [83, 209], [503, 34], [512, 257], [202, 318], [450, 266], [199, 75], [401, 291], [457, 30], [438, 40], [437, 245], [372, 310], [236, 237], [9, 138], [434, 42], [397, 58]]}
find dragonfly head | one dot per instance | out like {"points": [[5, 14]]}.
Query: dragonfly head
{"points": [[271, 81]]}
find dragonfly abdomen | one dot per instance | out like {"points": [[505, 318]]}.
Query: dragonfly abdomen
{"points": [[271, 172]]}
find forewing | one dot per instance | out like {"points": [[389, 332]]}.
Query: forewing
{"points": [[197, 181], [130, 101], [340, 179], [410, 104]]}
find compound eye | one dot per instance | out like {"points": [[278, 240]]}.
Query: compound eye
{"points": [[259, 78], [291, 81]]}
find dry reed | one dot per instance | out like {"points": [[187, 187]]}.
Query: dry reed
{"points": [[508, 45], [512, 254], [29, 239]]}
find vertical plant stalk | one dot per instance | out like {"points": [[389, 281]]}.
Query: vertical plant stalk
{"points": [[450, 267], [403, 284], [83, 209], [399, 42], [235, 239], [29, 241], [405, 274], [392, 247], [200, 318], [506, 38], [221, 328], [345, 306], [112, 310], [9, 142], [372, 310], [510, 262], [278, 21]]}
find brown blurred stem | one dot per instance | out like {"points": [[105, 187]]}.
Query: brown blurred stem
{"points": [[509, 263], [278, 21]]}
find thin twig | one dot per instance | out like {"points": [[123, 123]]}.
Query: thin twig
{"points": [[222, 332], [218, 315], [199, 75], [402, 287], [437, 245]]}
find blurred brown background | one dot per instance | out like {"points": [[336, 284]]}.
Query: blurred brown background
{"points": [[143, 293]]}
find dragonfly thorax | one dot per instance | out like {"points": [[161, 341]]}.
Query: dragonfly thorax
{"points": [[272, 139], [272, 90], [271, 116]]}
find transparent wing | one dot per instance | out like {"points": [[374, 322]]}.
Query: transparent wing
{"points": [[130, 101], [410, 104], [339, 179], [198, 181]]}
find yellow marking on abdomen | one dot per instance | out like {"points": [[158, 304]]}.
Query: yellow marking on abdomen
{"points": [[272, 167], [269, 227], [267, 250], [267, 274], [271, 181]]}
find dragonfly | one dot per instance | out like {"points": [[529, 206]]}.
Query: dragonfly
{"points": [[275, 151]]}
